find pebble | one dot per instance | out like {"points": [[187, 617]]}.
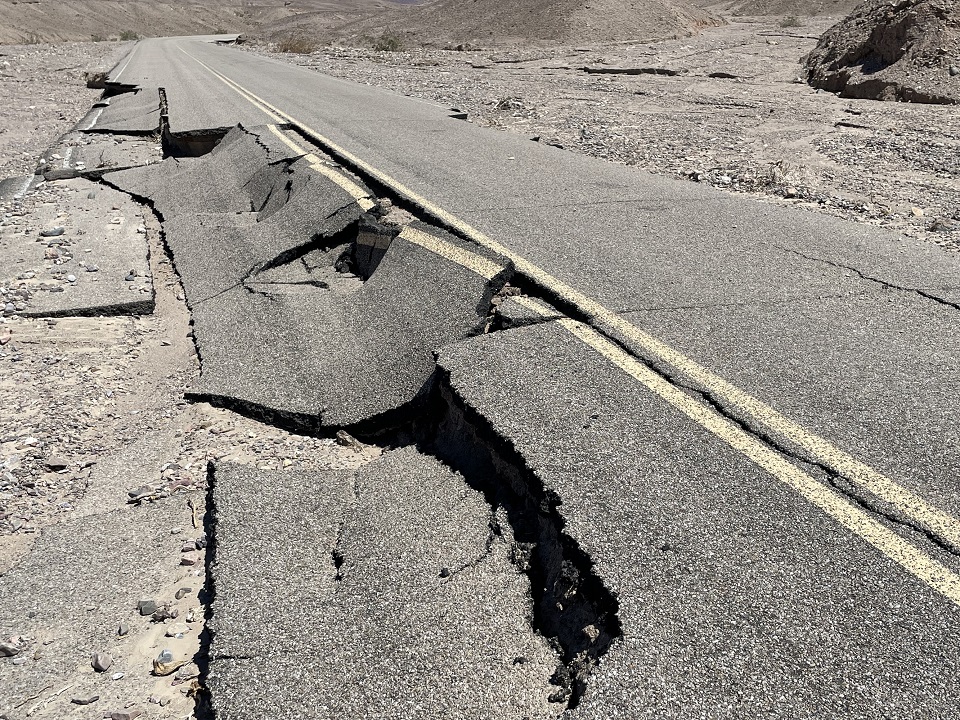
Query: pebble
{"points": [[117, 676], [52, 232], [93, 268], [189, 560], [177, 630], [163, 663], [9, 309], [183, 592], [56, 464], [130, 277], [189, 546], [71, 278], [165, 612], [146, 606], [101, 662], [190, 670], [123, 629], [9, 650], [954, 70], [85, 701], [124, 714]]}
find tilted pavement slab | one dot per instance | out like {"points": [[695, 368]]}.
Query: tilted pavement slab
{"points": [[389, 595], [103, 247], [344, 358], [737, 597], [133, 113], [79, 154]]}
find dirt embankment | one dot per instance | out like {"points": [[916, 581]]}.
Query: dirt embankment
{"points": [[493, 23], [907, 50]]}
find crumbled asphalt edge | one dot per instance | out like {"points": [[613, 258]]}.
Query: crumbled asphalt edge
{"points": [[582, 627]]}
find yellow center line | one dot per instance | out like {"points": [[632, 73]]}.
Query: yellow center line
{"points": [[907, 555], [473, 262], [933, 519]]}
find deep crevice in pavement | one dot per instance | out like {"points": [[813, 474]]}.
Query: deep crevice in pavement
{"points": [[572, 608], [203, 658], [863, 276]]}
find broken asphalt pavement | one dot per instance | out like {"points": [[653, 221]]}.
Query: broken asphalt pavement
{"points": [[287, 323], [580, 520]]}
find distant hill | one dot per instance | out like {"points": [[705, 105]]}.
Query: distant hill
{"points": [[779, 8], [497, 22], [25, 21]]}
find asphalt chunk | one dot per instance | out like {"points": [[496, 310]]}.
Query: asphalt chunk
{"points": [[361, 620]]}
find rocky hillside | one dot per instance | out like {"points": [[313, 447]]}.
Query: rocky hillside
{"points": [[779, 8], [494, 22], [905, 50], [33, 21]]}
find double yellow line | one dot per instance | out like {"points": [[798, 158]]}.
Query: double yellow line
{"points": [[930, 518]]}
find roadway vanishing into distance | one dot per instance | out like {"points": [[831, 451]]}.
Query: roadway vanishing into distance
{"points": [[713, 443]]}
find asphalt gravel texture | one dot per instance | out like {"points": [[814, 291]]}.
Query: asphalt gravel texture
{"points": [[387, 595]]}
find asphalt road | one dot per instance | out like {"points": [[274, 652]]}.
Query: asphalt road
{"points": [[751, 445]]}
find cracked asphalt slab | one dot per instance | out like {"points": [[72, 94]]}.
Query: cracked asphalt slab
{"points": [[344, 359], [98, 265], [415, 608], [736, 596]]}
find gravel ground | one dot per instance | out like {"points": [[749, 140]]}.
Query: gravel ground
{"points": [[735, 114], [44, 94]]}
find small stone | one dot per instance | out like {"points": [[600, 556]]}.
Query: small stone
{"points": [[165, 612], [916, 212], [9, 650], [790, 192], [93, 268], [130, 277], [85, 701], [124, 629], [52, 232], [117, 676], [101, 662], [138, 494], [183, 592], [189, 560], [188, 671], [192, 615], [92, 195], [444, 572], [9, 309], [56, 464], [954, 70], [177, 630], [189, 546], [164, 664], [146, 606], [130, 714], [71, 278]]}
